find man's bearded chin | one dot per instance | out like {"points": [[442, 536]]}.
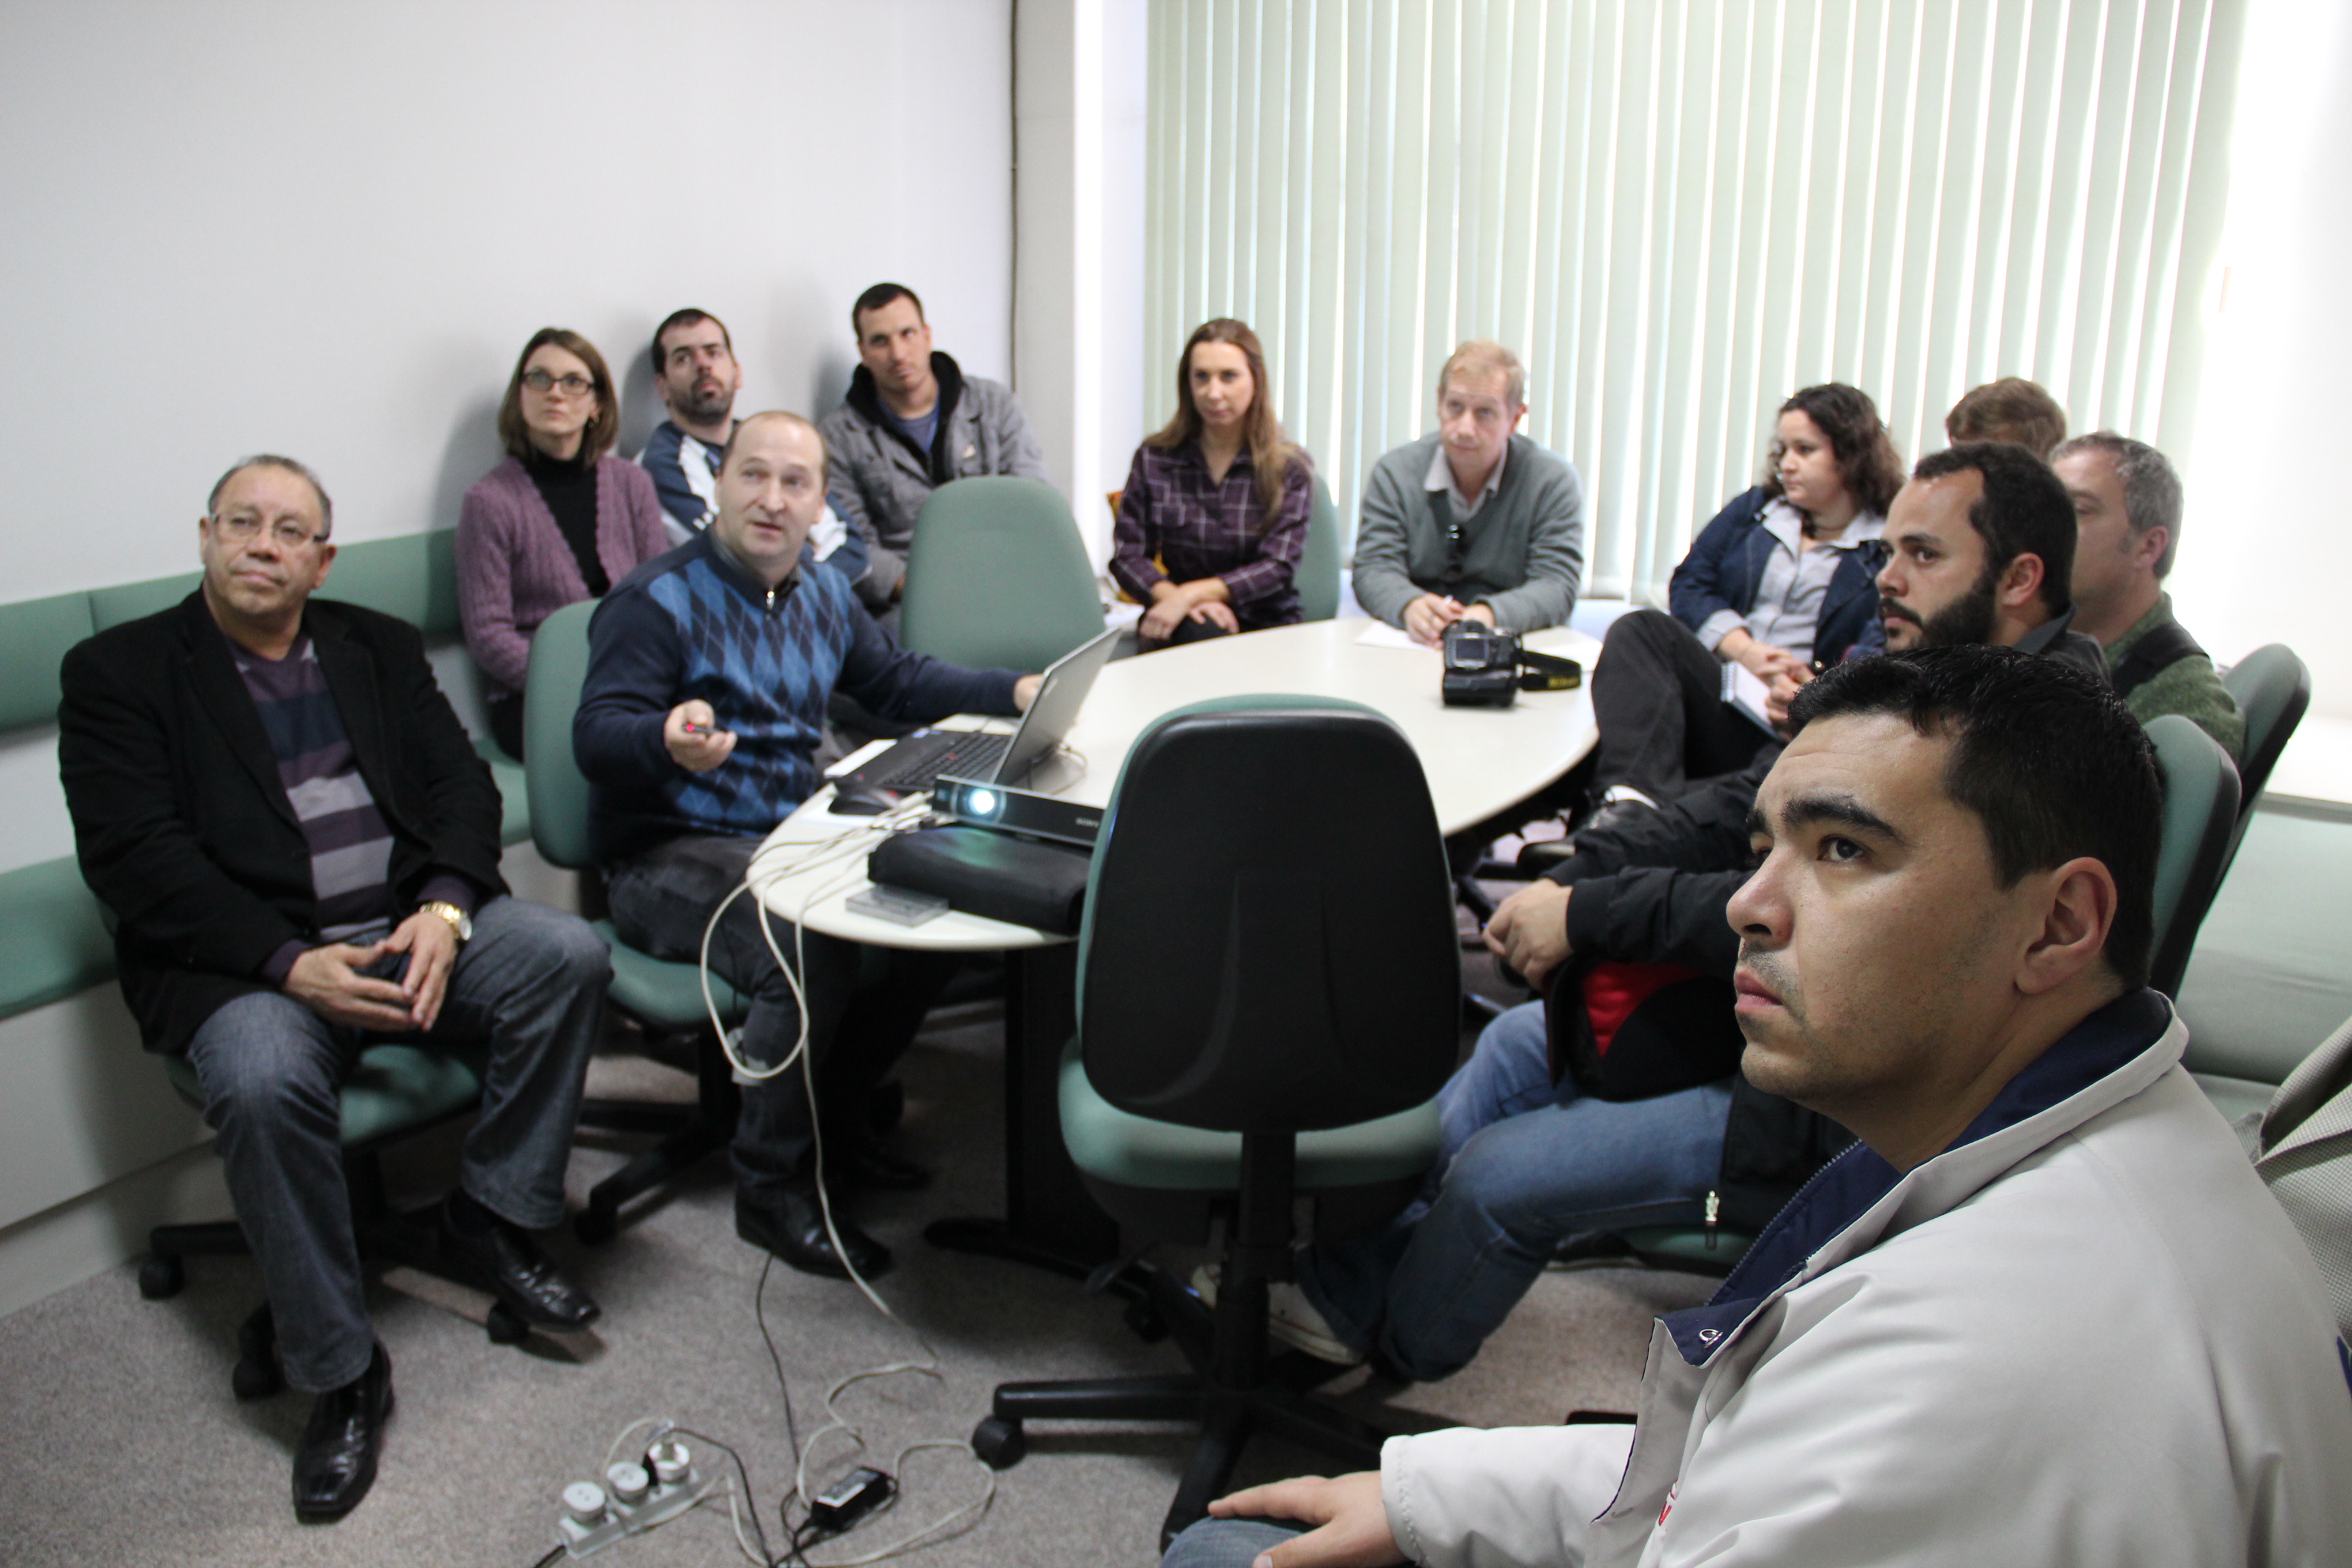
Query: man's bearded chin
{"points": [[1965, 622]]}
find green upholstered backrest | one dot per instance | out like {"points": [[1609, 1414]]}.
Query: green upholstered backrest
{"points": [[998, 577], [2273, 690], [412, 577], [110, 607], [1318, 563], [53, 937], [2200, 818], [559, 791], [35, 636]]}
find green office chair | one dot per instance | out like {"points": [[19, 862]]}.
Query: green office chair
{"points": [[395, 1090], [2200, 822], [662, 997], [1318, 564], [997, 577], [1268, 1001], [2272, 687]]}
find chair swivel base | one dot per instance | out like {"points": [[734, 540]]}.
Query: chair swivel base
{"points": [[1277, 1403], [689, 1134]]}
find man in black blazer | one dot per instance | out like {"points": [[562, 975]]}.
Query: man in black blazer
{"points": [[301, 850]]}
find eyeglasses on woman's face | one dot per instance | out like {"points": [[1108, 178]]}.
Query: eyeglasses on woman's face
{"points": [[571, 384]]}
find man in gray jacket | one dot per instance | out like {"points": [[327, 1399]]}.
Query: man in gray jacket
{"points": [[913, 422], [1474, 520]]}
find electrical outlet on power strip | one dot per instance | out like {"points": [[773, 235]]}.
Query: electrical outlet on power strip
{"points": [[631, 1500]]}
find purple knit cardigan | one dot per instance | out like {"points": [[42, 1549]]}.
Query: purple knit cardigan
{"points": [[514, 569]]}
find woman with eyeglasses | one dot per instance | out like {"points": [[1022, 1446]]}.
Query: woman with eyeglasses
{"points": [[559, 520], [1214, 513], [1783, 581]]}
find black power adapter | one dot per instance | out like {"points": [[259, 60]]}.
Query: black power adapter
{"points": [[851, 1498]]}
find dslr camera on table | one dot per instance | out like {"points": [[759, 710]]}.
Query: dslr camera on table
{"points": [[1489, 668]]}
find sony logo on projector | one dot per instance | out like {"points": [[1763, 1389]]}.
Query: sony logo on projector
{"points": [[1016, 810]]}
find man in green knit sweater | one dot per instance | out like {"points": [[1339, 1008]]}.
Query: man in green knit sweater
{"points": [[2127, 507]]}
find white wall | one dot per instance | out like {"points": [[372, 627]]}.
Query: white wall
{"points": [[328, 229], [2267, 555]]}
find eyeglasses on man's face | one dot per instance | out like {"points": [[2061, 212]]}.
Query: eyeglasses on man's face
{"points": [[571, 384], [242, 527]]}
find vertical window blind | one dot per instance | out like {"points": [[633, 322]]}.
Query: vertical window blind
{"points": [[1677, 212]]}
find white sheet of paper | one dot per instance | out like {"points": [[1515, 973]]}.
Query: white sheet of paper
{"points": [[1379, 634]]}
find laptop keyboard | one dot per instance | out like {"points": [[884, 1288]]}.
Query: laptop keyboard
{"points": [[965, 753]]}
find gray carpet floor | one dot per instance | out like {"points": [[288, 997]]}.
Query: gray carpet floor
{"points": [[126, 1446]]}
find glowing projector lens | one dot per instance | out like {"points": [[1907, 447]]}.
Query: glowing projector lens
{"points": [[981, 803]]}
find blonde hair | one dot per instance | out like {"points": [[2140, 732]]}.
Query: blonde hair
{"points": [[1485, 354]]}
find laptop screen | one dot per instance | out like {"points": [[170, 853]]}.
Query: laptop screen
{"points": [[1056, 708]]}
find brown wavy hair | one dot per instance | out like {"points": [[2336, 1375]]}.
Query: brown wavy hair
{"points": [[604, 426], [1270, 455], [1868, 464]]}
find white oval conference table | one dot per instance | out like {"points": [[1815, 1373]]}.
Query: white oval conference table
{"points": [[1479, 761]]}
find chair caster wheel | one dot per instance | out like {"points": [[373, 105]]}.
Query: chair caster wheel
{"points": [[885, 1107], [253, 1379], [161, 1276], [1145, 1319], [1000, 1442], [595, 1227], [505, 1328]]}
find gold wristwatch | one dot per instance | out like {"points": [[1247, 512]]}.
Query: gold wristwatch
{"points": [[459, 920]]}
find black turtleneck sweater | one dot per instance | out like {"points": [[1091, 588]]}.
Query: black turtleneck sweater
{"points": [[568, 486]]}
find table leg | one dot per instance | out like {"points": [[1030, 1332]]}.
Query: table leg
{"points": [[1050, 1222]]}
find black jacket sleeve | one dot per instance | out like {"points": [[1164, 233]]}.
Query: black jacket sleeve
{"points": [[1654, 888], [139, 851]]}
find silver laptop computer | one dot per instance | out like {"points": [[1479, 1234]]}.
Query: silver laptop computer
{"points": [[909, 766]]}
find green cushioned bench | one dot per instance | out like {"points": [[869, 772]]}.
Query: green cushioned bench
{"points": [[52, 941]]}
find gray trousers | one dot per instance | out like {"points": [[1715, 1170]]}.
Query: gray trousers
{"points": [[531, 983], [859, 1022]]}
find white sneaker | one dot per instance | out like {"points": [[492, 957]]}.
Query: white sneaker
{"points": [[1290, 1318]]}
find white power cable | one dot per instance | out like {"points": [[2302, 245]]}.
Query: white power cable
{"points": [[839, 851]]}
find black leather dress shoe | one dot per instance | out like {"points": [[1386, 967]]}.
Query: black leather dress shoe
{"points": [[872, 1165], [792, 1227], [505, 1261], [336, 1463]]}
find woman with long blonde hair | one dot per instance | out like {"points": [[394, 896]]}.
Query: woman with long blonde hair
{"points": [[1214, 513]]}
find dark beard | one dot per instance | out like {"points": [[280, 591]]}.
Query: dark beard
{"points": [[1964, 622], [704, 407]]}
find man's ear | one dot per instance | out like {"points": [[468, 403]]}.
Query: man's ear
{"points": [[2148, 547], [1521, 418], [2078, 911], [2021, 582]]}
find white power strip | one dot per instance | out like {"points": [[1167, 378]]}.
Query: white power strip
{"points": [[631, 1502]]}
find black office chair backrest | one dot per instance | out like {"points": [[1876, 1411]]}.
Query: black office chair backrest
{"points": [[1269, 942]]}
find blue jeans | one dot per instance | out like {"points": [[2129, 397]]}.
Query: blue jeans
{"points": [[1227, 1542], [532, 983], [1523, 1163], [662, 901]]}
